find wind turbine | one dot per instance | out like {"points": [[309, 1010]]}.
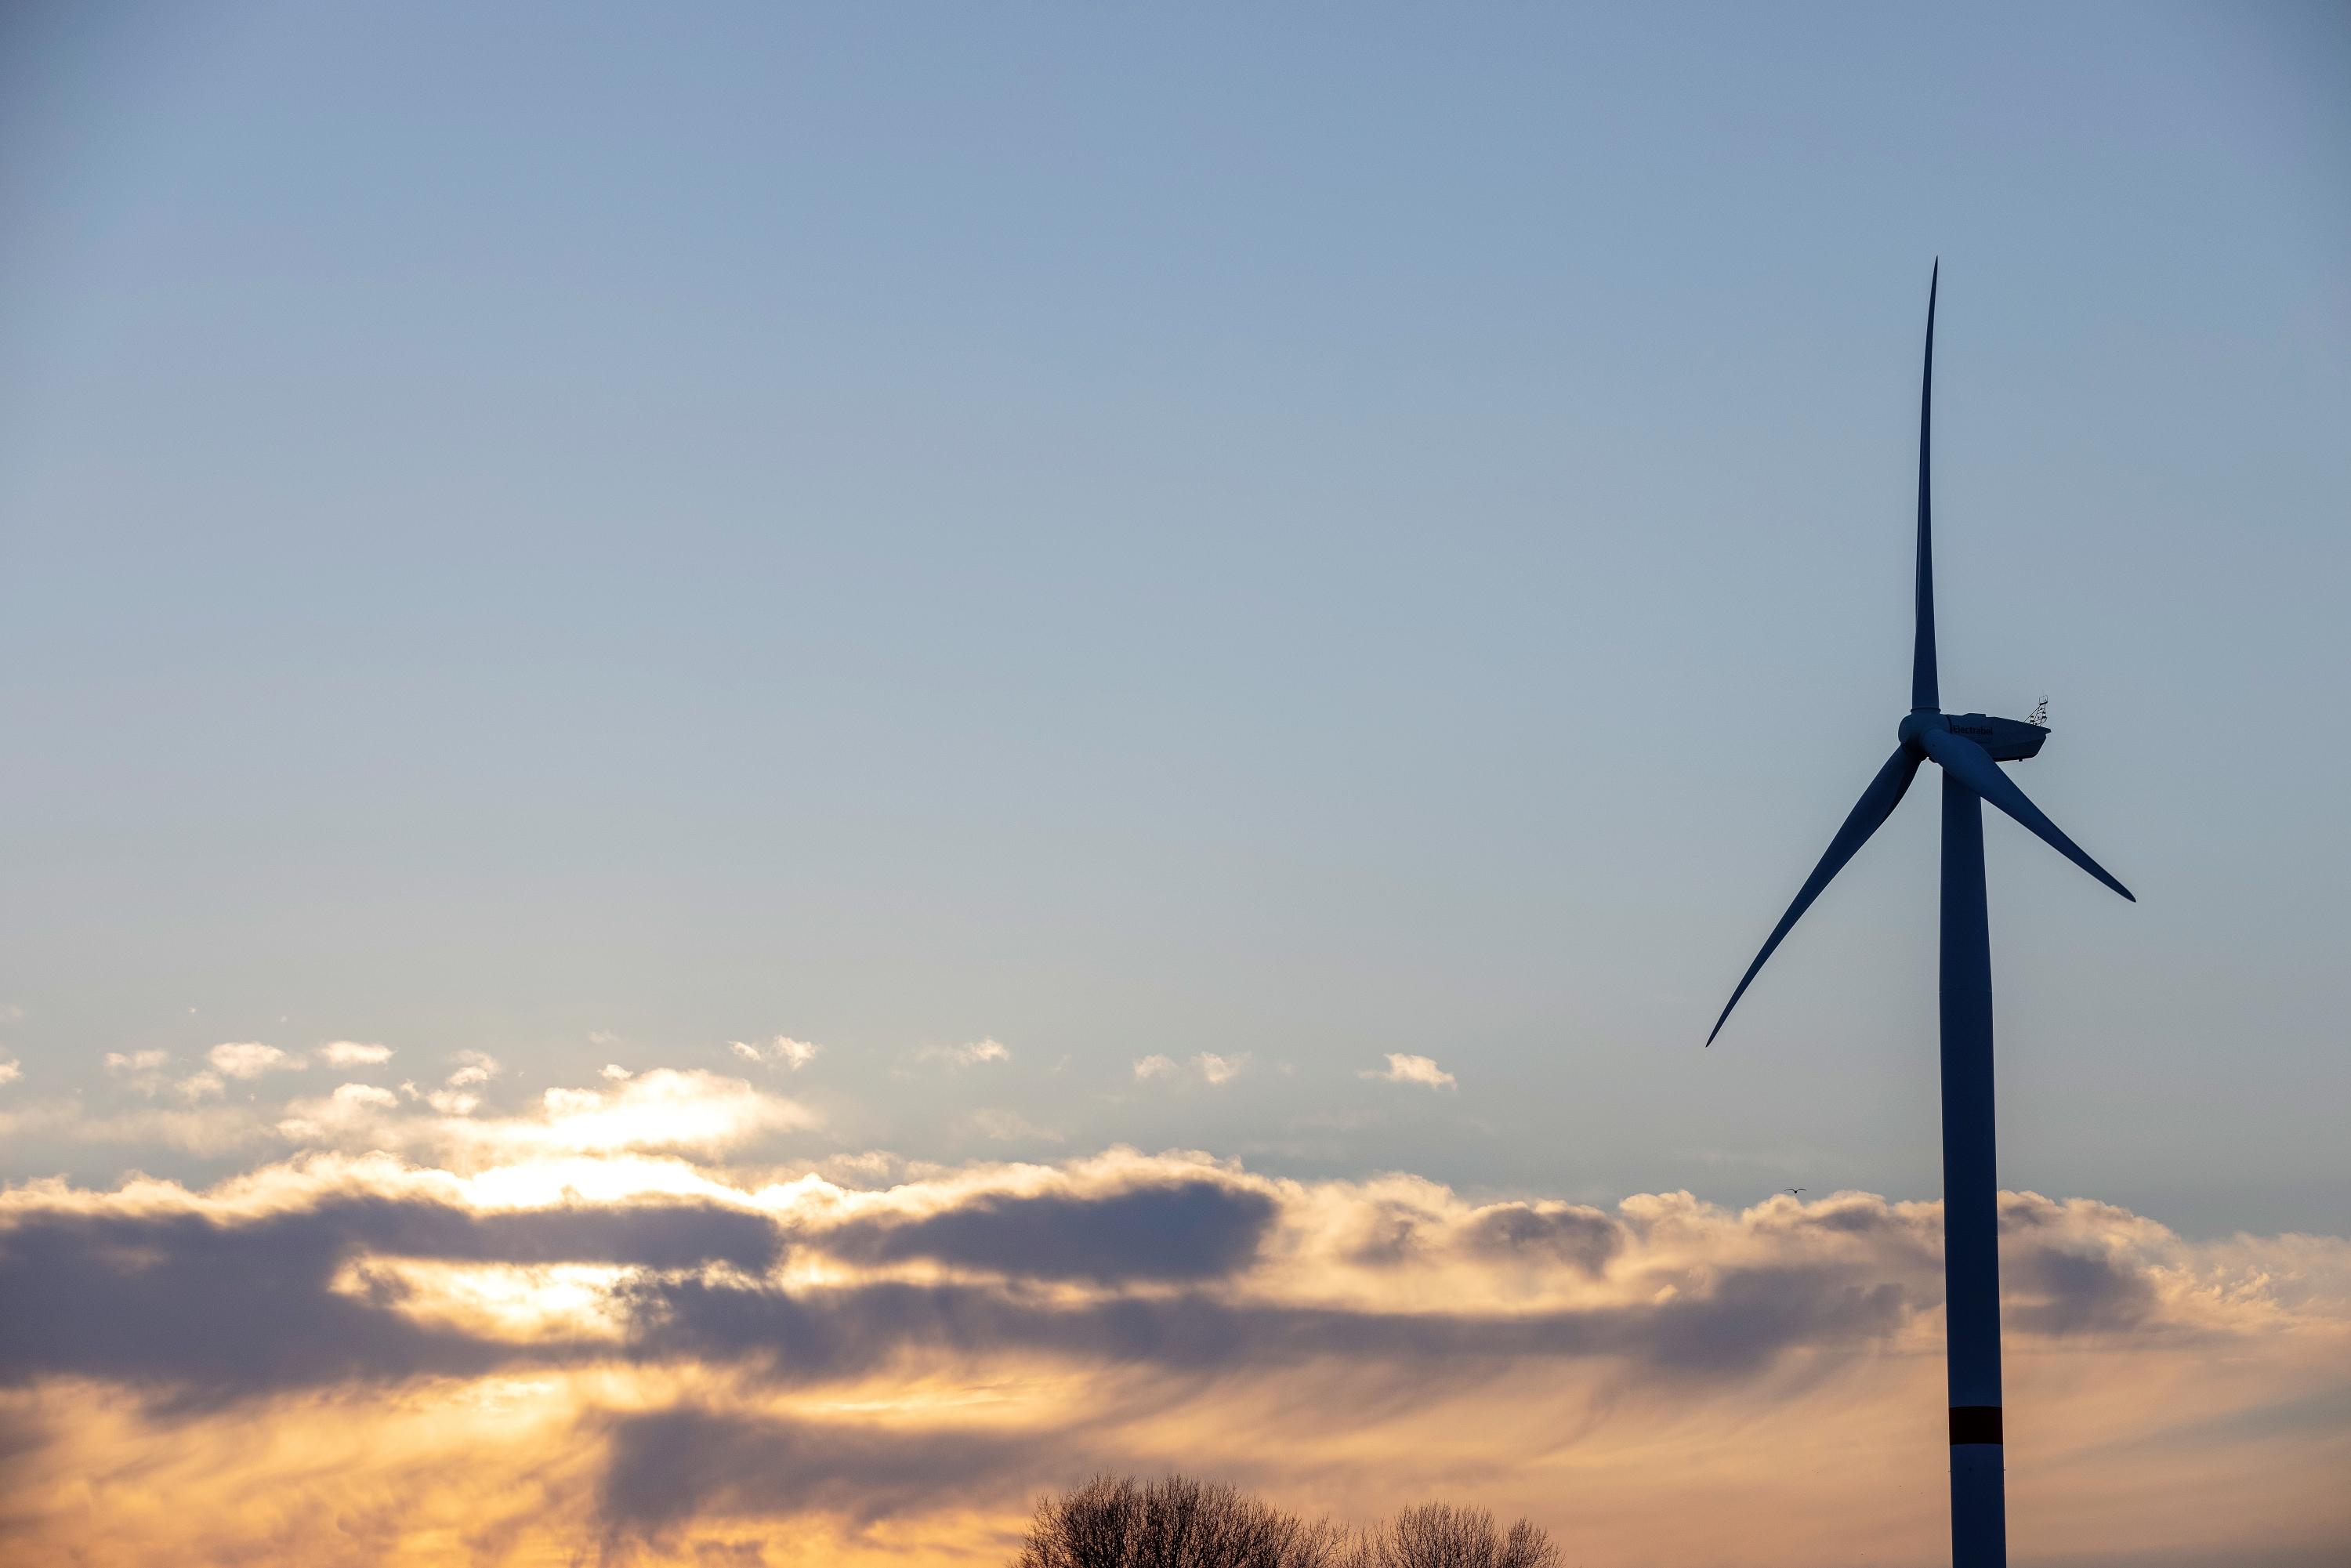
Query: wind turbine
{"points": [[1970, 749]]}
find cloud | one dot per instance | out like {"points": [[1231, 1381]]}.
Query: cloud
{"points": [[1211, 1068], [971, 1055], [206, 1133], [251, 1059], [215, 1313], [1398, 1269], [781, 1052], [353, 1053], [581, 1335], [662, 1109], [1566, 1232], [147, 1071], [222, 1306], [1403, 1069], [1010, 1126], [11, 1070], [138, 1070], [200, 1086], [666, 1468], [1191, 1229], [1743, 1326], [473, 1067], [457, 1096]]}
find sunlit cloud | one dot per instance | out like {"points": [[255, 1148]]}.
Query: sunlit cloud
{"points": [[459, 1094], [1208, 1066], [11, 1070], [517, 1304], [691, 1111], [1421, 1070], [473, 1067], [141, 1071], [615, 1350], [781, 1052], [202, 1131], [353, 1053], [251, 1059], [206, 1086], [667, 1352], [971, 1055]]}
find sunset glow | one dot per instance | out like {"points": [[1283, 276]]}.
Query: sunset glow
{"points": [[785, 786], [676, 1354]]}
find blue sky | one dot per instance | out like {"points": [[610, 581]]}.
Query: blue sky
{"points": [[1294, 537]]}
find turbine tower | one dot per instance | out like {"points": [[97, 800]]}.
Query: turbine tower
{"points": [[1969, 749]]}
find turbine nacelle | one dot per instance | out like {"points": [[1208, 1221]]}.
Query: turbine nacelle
{"points": [[2002, 739]]}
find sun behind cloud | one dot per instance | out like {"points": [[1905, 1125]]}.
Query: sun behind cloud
{"points": [[579, 1328]]}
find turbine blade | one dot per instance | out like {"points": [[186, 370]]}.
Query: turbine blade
{"points": [[1972, 765], [1922, 653], [1877, 804]]}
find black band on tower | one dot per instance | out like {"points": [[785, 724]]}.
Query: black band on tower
{"points": [[1975, 1423]]}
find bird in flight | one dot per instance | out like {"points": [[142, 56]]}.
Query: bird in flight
{"points": [[1795, 1189]]}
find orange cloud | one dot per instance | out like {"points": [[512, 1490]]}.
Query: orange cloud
{"points": [[568, 1334]]}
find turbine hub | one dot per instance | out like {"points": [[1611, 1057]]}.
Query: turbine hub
{"points": [[2005, 739]]}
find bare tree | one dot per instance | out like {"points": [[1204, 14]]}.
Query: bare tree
{"points": [[1112, 1521], [1440, 1535], [1173, 1522]]}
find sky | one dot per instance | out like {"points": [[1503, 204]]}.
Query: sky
{"points": [[833, 733]]}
